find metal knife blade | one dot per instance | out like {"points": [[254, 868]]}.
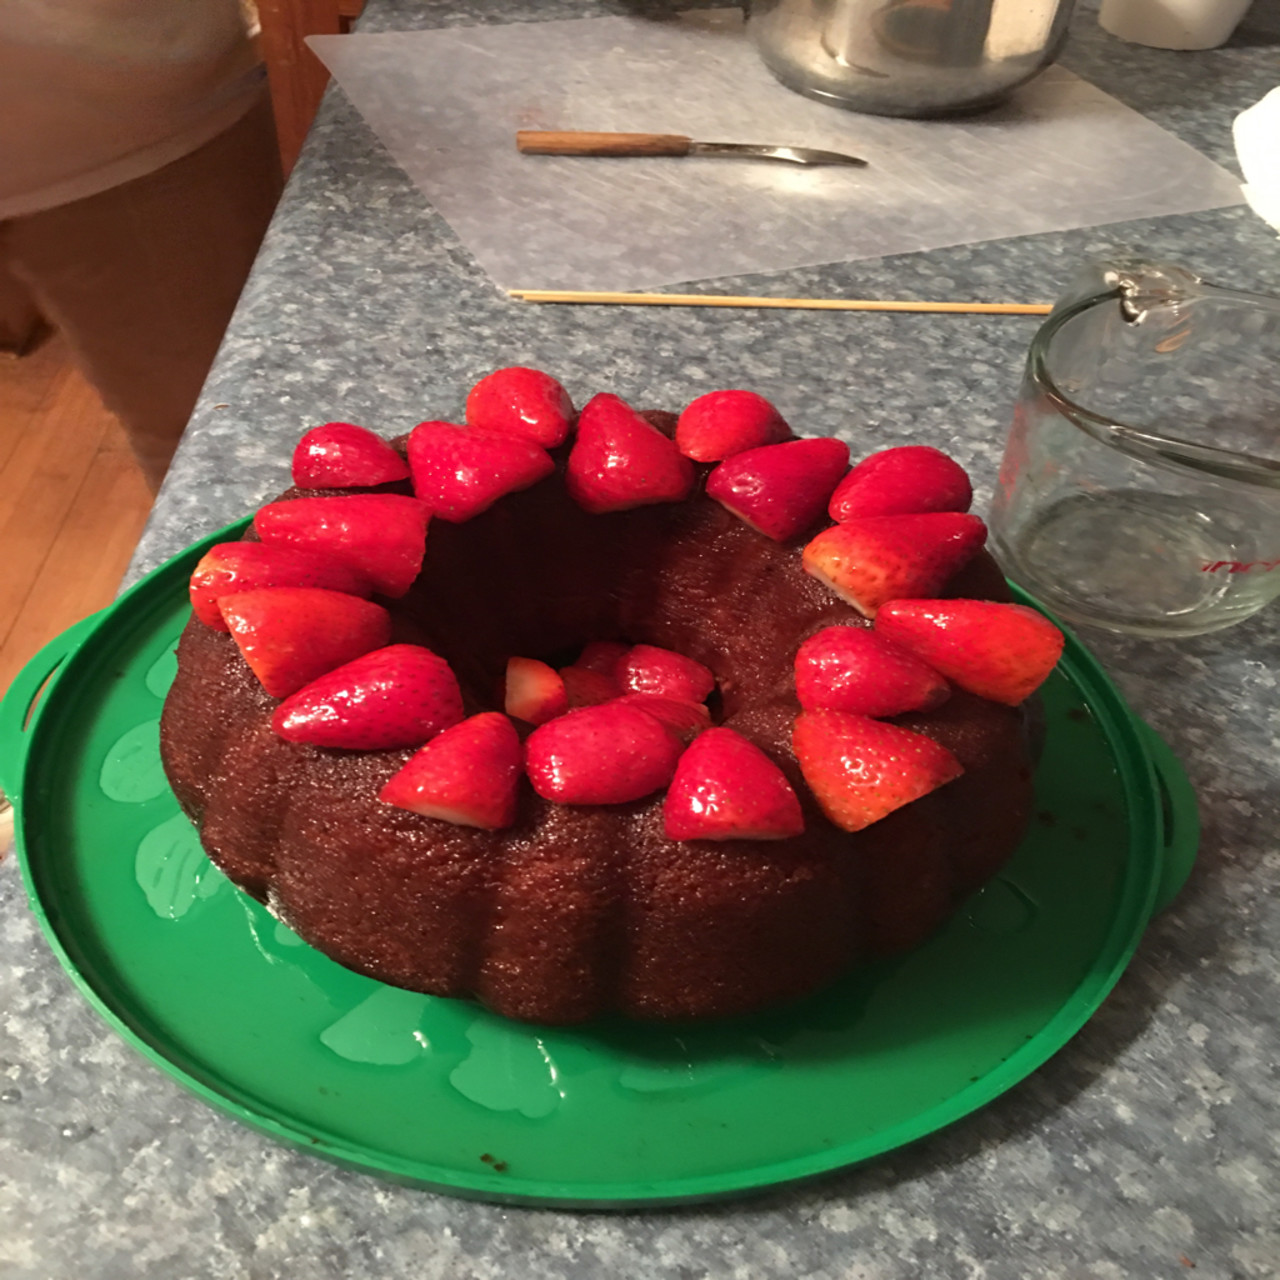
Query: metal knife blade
{"points": [[789, 155], [572, 143]]}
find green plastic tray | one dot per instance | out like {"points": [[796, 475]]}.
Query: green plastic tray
{"points": [[441, 1093]]}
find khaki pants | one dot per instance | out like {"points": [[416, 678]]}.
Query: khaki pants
{"points": [[142, 279]]}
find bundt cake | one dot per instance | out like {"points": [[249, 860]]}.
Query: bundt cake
{"points": [[650, 841]]}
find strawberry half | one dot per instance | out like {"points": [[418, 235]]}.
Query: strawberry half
{"points": [[861, 770], [602, 656], [645, 668], [857, 670], [868, 562], [723, 423], [908, 480], [383, 535], [601, 755], [585, 688], [341, 455], [685, 719], [521, 402], [534, 692], [232, 567], [459, 472], [467, 775], [291, 636], [726, 788], [999, 651], [781, 489], [399, 696], [619, 461]]}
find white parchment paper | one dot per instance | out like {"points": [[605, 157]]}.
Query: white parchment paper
{"points": [[447, 105]]}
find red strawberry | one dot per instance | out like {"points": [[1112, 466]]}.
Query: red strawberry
{"points": [[726, 788], [647, 669], [685, 719], [601, 755], [999, 651], [459, 472], [232, 567], [619, 461], [602, 656], [586, 688], [399, 696], [521, 402], [291, 636], [868, 562], [857, 670], [781, 489], [860, 769], [466, 775], [535, 692], [382, 534], [904, 481], [340, 455], [723, 423]]}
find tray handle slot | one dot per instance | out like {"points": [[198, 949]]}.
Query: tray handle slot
{"points": [[22, 701], [1180, 813]]}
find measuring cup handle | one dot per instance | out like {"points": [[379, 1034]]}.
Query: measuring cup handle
{"points": [[1181, 822], [22, 696]]}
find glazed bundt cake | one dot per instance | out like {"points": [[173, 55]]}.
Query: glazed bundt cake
{"points": [[626, 729]]}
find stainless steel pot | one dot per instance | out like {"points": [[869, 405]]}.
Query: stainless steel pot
{"points": [[907, 57]]}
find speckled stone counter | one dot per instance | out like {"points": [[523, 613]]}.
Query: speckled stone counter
{"points": [[1151, 1143]]}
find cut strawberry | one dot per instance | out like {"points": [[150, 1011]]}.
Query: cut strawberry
{"points": [[467, 775], [685, 719], [233, 567], [781, 489], [586, 688], [291, 636], [726, 788], [535, 692], [868, 562], [857, 670], [908, 480], [619, 461], [645, 668], [400, 696], [521, 402], [999, 651], [459, 472], [860, 769], [340, 455], [723, 423], [602, 656], [601, 755], [383, 535]]}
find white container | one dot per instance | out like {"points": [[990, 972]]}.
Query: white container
{"points": [[1173, 24], [1257, 138]]}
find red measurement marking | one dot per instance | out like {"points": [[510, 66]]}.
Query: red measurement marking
{"points": [[1239, 566]]}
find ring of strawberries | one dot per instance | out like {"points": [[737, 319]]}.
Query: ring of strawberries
{"points": [[623, 721]]}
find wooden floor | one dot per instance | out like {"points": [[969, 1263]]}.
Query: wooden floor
{"points": [[72, 502]]}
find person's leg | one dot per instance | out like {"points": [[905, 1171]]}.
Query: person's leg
{"points": [[142, 279]]}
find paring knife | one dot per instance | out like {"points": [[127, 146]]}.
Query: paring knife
{"points": [[557, 143]]}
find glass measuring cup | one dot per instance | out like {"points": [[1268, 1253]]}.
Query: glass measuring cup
{"points": [[1140, 487]]}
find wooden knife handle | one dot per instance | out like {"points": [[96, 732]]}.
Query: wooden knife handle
{"points": [[538, 143]]}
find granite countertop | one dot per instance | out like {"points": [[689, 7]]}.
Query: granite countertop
{"points": [[1151, 1143]]}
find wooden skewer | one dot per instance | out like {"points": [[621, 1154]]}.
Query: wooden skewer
{"points": [[809, 304]]}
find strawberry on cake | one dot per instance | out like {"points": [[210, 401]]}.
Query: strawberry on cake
{"points": [[610, 711]]}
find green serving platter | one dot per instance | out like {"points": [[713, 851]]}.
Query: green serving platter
{"points": [[443, 1094]]}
